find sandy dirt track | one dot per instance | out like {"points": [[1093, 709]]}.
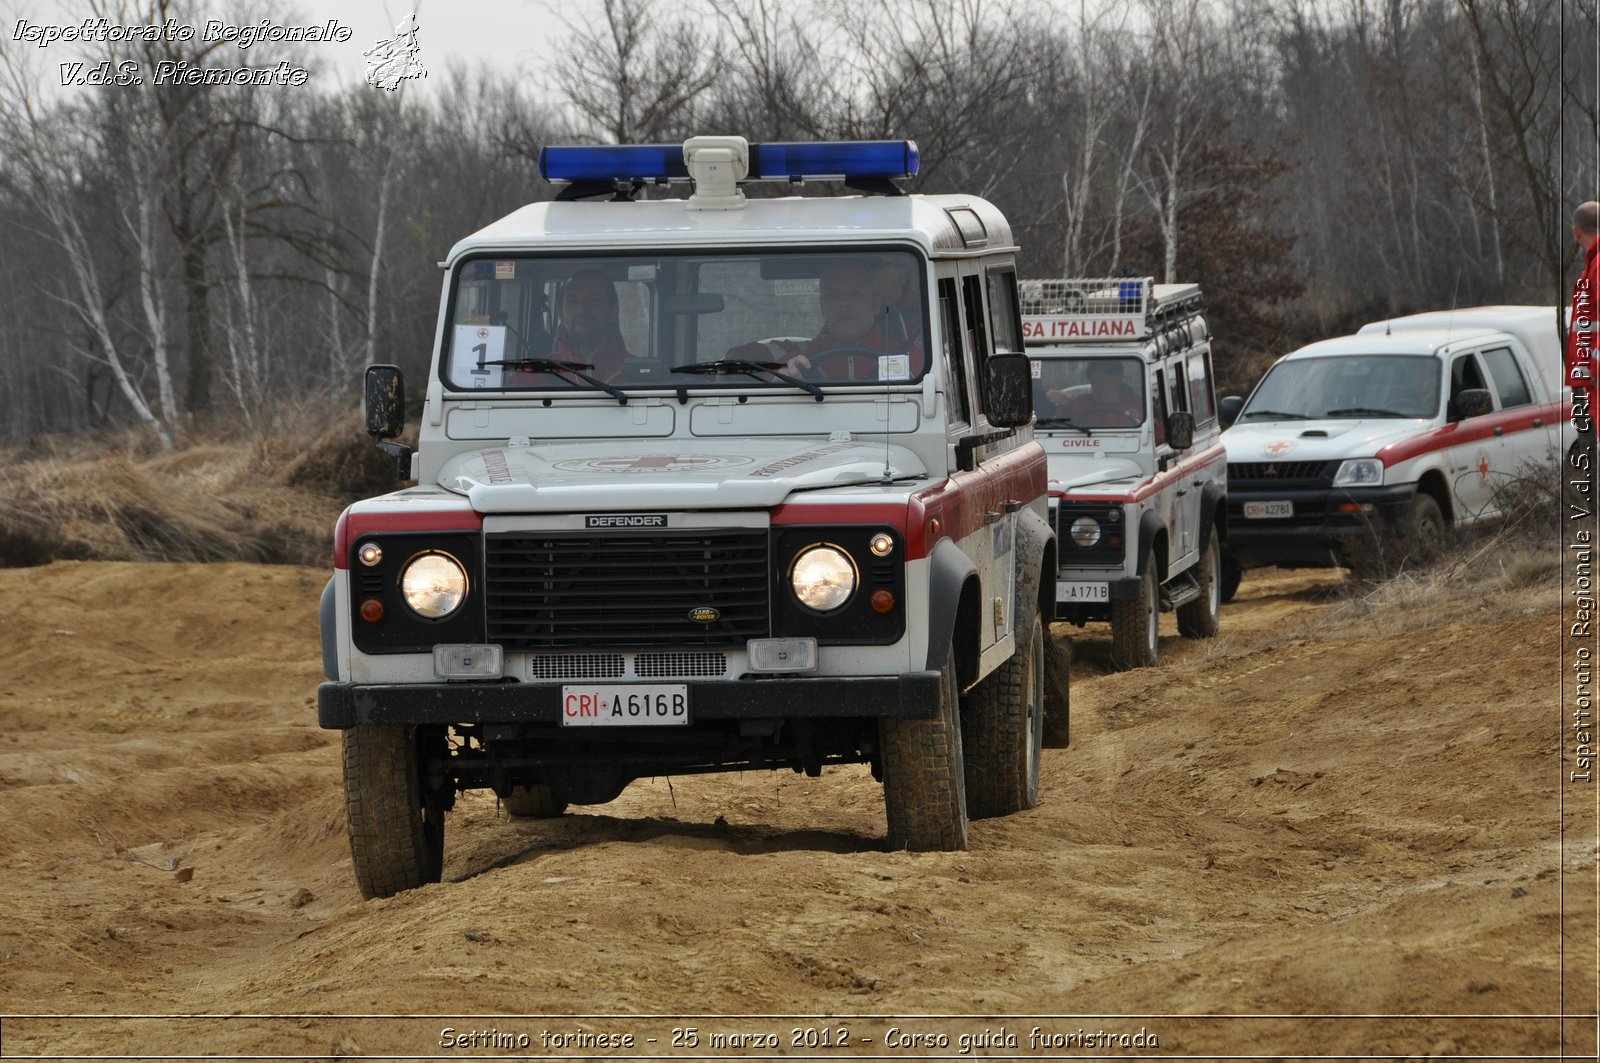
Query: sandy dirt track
{"points": [[1319, 813]]}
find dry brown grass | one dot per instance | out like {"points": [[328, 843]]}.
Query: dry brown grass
{"points": [[270, 497]]}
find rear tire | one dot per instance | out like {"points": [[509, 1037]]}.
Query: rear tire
{"points": [[396, 836], [924, 780], [1135, 642], [1057, 694], [535, 802], [1232, 574], [1201, 618], [1002, 725]]}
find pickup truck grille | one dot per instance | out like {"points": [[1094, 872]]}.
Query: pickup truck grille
{"points": [[626, 590], [1268, 473]]}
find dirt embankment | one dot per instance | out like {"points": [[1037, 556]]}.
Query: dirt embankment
{"points": [[1318, 813]]}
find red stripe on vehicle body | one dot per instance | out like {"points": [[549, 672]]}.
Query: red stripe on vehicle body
{"points": [[352, 525], [958, 504], [1520, 419], [1155, 484]]}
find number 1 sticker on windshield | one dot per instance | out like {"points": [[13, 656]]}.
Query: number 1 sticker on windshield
{"points": [[473, 345]]}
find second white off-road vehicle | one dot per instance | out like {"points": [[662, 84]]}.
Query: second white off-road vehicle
{"points": [[1126, 411]]}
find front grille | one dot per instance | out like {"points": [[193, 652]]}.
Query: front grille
{"points": [[658, 665], [626, 590], [577, 666], [1275, 472]]}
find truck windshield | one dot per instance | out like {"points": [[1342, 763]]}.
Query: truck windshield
{"points": [[676, 320], [1388, 385], [1081, 392]]}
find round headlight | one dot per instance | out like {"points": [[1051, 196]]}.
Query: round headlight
{"points": [[1086, 531], [823, 578], [434, 585]]}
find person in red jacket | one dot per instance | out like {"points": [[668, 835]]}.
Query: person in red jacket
{"points": [[853, 339], [589, 331], [1581, 354]]}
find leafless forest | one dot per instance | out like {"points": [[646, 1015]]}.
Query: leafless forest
{"points": [[231, 256]]}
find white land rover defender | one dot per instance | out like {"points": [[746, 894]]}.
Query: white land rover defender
{"points": [[703, 484], [1126, 412]]}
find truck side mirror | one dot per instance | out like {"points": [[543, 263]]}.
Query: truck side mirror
{"points": [[1180, 429], [383, 401], [383, 408], [1473, 402], [1228, 409], [1009, 390]]}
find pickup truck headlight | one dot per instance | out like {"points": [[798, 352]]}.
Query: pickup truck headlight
{"points": [[823, 578], [1359, 472], [433, 585]]}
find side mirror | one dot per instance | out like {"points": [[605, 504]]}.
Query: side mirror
{"points": [[383, 401], [1228, 409], [1473, 402], [1180, 430], [1008, 390]]}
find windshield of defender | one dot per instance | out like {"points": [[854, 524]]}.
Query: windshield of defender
{"points": [[759, 319], [1088, 392], [1304, 389]]}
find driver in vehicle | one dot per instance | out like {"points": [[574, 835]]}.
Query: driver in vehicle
{"points": [[1109, 402], [852, 341], [589, 330]]}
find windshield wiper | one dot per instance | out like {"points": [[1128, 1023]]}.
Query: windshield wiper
{"points": [[749, 368], [562, 370], [1364, 411], [1276, 415], [1061, 422]]}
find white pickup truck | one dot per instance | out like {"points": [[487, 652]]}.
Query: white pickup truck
{"points": [[1367, 449]]}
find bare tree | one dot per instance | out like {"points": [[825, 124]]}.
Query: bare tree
{"points": [[633, 79]]}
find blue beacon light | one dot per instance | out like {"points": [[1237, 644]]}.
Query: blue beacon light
{"points": [[770, 162]]}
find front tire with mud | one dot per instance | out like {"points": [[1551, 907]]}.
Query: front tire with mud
{"points": [[1200, 618], [924, 779], [1002, 725], [396, 835], [1134, 639]]}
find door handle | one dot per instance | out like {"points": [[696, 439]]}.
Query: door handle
{"points": [[1499, 431]]}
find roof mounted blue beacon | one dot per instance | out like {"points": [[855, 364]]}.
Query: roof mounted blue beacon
{"points": [[868, 165]]}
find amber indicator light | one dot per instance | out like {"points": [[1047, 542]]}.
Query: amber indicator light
{"points": [[882, 600], [372, 610]]}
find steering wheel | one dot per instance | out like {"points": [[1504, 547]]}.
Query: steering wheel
{"points": [[1122, 418], [835, 354]]}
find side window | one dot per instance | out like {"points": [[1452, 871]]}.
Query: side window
{"points": [[1177, 390], [1202, 399], [955, 366], [1464, 375], [1158, 403], [1508, 379], [1004, 323], [977, 334]]}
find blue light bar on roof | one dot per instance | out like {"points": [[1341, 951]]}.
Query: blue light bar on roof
{"points": [[845, 158], [613, 162], [768, 162]]}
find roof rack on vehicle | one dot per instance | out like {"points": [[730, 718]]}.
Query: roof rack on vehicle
{"points": [[1097, 309]]}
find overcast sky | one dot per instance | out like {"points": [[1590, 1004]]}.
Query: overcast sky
{"points": [[504, 34]]}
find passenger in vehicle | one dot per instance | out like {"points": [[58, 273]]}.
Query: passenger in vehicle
{"points": [[1109, 402], [588, 328], [852, 339]]}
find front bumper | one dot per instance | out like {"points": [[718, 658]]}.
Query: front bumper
{"points": [[1318, 535], [912, 695]]}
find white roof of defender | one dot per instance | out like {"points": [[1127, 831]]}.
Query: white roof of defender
{"points": [[941, 225], [1533, 326]]}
